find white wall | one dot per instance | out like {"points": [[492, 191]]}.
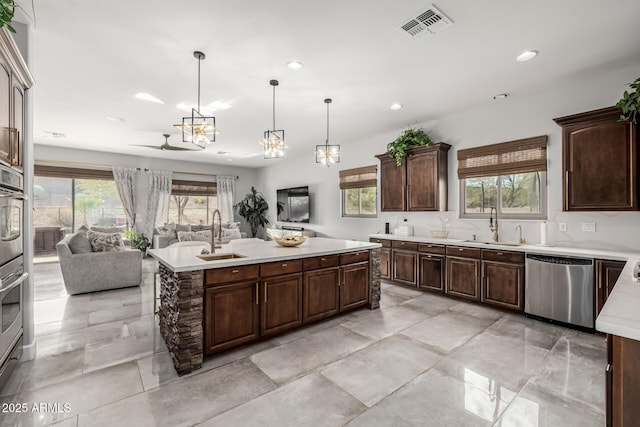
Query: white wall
{"points": [[246, 176], [519, 116]]}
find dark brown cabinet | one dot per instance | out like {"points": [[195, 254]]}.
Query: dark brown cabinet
{"points": [[503, 278], [281, 307], [431, 267], [404, 265], [354, 289], [463, 272], [419, 183], [600, 161], [607, 273], [321, 294], [622, 381]]}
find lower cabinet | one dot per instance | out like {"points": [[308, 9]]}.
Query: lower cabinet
{"points": [[231, 315], [622, 381], [607, 273], [321, 293], [463, 277], [354, 289], [431, 274], [281, 307], [404, 267], [385, 263], [503, 278]]}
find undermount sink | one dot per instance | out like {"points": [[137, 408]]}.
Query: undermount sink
{"points": [[493, 243], [218, 257]]}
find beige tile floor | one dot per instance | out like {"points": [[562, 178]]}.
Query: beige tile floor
{"points": [[421, 360]]}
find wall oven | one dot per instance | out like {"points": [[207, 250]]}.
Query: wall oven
{"points": [[12, 277], [11, 210]]}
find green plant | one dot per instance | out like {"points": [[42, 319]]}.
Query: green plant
{"points": [[138, 240], [629, 104], [411, 137], [7, 9], [253, 208]]}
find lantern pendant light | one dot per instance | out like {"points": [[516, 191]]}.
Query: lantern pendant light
{"points": [[273, 140], [327, 154]]}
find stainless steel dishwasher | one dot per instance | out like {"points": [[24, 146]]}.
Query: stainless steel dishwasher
{"points": [[560, 289]]}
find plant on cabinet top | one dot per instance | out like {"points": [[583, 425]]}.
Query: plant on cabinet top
{"points": [[412, 137]]}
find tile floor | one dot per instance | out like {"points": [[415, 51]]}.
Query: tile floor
{"points": [[421, 360]]}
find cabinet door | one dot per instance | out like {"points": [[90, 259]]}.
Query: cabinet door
{"points": [[17, 138], [503, 284], [230, 316], [607, 273], [281, 307], [422, 182], [392, 185], [431, 272], [405, 267], [354, 290], [625, 381], [463, 277], [6, 131], [385, 264], [599, 162], [321, 294]]}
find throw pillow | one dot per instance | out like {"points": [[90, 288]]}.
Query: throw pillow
{"points": [[200, 227], [105, 242], [182, 227], [194, 236], [167, 230], [79, 244]]}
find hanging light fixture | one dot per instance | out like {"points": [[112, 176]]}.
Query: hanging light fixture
{"points": [[327, 154], [273, 140], [198, 129]]}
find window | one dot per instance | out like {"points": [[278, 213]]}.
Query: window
{"points": [[359, 192], [510, 176], [191, 202]]}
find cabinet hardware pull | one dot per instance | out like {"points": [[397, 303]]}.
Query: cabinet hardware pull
{"points": [[284, 265], [566, 190], [257, 297], [235, 271], [486, 280], [265, 292], [428, 256], [323, 259], [609, 368], [15, 146], [500, 253], [460, 249]]}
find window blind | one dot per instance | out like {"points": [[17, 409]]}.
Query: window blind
{"points": [[72, 173], [193, 188], [520, 156], [366, 176]]}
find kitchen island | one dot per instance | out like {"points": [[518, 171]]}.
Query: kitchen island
{"points": [[256, 289]]}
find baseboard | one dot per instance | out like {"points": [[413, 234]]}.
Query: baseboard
{"points": [[29, 351]]}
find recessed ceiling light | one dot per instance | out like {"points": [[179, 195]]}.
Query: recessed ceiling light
{"points": [[501, 96], [115, 119], [147, 97], [527, 55], [294, 65], [396, 106]]}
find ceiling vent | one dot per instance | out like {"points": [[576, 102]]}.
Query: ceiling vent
{"points": [[425, 23]]}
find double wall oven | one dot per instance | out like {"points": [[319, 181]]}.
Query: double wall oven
{"points": [[12, 274]]}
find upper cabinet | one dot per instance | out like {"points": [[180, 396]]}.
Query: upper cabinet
{"points": [[419, 183], [599, 159]]}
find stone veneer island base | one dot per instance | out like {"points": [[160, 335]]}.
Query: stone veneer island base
{"points": [[185, 281]]}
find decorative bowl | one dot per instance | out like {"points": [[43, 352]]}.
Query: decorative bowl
{"points": [[291, 241], [440, 234]]}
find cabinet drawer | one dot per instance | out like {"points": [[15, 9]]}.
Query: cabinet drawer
{"points": [[431, 248], [503, 256], [320, 262], [230, 274], [407, 246], [280, 267], [463, 252], [384, 242], [352, 257]]}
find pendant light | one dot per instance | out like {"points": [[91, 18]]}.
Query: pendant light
{"points": [[327, 154], [273, 140], [198, 129]]}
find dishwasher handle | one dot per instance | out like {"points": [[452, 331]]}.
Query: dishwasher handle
{"points": [[559, 260]]}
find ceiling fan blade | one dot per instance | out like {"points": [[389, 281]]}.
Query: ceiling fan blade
{"points": [[148, 146], [173, 147]]}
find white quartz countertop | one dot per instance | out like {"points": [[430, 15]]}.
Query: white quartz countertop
{"points": [[620, 314], [184, 258]]}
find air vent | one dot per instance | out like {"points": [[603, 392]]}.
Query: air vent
{"points": [[425, 23]]}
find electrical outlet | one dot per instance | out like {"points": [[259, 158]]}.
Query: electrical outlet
{"points": [[562, 226], [589, 227]]}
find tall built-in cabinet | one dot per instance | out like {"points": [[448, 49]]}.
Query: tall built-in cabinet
{"points": [[419, 183], [599, 162]]}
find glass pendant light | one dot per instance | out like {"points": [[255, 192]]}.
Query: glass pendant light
{"points": [[273, 140], [327, 154]]}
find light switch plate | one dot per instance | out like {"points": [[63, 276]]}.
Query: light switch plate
{"points": [[589, 227], [562, 226]]}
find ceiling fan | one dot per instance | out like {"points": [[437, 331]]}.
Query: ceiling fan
{"points": [[165, 145]]}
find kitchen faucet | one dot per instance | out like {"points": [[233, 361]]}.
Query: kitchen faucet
{"points": [[521, 239], [213, 234], [494, 226]]}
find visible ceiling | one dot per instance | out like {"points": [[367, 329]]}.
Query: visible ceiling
{"points": [[90, 57]]}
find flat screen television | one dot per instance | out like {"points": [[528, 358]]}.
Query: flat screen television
{"points": [[293, 204]]}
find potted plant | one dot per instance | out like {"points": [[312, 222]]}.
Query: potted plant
{"points": [[412, 137], [7, 9], [253, 208], [138, 241], [629, 104]]}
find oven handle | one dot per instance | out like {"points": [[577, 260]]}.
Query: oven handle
{"points": [[19, 196], [14, 283]]}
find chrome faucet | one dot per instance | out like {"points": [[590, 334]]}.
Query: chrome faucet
{"points": [[493, 226], [213, 234], [521, 239]]}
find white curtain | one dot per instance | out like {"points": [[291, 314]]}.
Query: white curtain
{"points": [[226, 189], [157, 199], [125, 179]]}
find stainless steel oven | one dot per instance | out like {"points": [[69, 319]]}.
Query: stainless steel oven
{"points": [[11, 210], [12, 277]]}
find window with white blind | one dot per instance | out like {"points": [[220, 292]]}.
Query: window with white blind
{"points": [[511, 176], [359, 192]]}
